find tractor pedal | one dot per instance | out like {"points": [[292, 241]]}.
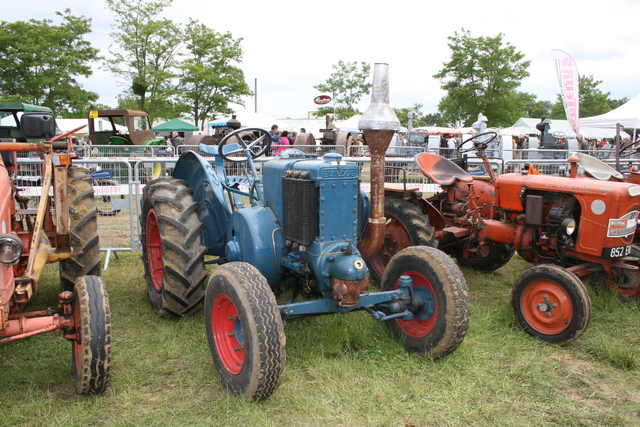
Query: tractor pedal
{"points": [[457, 231]]}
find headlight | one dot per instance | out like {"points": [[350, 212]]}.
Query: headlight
{"points": [[568, 226], [11, 249]]}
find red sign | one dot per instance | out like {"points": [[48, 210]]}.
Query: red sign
{"points": [[322, 99]]}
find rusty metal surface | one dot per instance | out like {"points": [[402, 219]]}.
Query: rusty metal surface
{"points": [[348, 291]]}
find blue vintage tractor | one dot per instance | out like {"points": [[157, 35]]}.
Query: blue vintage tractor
{"points": [[304, 226]]}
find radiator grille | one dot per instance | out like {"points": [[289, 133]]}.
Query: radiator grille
{"points": [[301, 204]]}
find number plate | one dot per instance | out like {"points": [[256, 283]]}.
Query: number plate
{"points": [[618, 252]]}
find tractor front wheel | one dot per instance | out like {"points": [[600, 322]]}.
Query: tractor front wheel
{"points": [[172, 248], [406, 226], [84, 230], [551, 303], [245, 331], [440, 324], [92, 345]]}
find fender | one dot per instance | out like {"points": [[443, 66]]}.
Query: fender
{"points": [[208, 191]]}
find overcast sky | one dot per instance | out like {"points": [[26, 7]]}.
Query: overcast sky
{"points": [[290, 45]]}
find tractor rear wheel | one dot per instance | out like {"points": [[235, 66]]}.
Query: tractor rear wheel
{"points": [[440, 325], [627, 280], [84, 230], [245, 331], [551, 303], [92, 346], [172, 248], [489, 258], [406, 226]]}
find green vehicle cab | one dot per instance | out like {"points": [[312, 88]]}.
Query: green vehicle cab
{"points": [[121, 127]]}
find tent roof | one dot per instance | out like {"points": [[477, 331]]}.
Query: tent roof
{"points": [[527, 126], [177, 125], [628, 115]]}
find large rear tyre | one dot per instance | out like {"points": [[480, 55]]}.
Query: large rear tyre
{"points": [[245, 331], [440, 325], [489, 257], [551, 303], [406, 226], [92, 346], [172, 248], [84, 230]]}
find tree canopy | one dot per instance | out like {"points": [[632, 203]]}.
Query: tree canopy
{"points": [[40, 63], [210, 80], [170, 71], [347, 84], [593, 101], [482, 77]]}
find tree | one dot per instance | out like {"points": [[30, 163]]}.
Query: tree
{"points": [[593, 101], [40, 63], [347, 85], [403, 115], [147, 56], [533, 107], [210, 80], [482, 77]]}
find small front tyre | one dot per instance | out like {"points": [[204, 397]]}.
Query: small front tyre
{"points": [[244, 331], [92, 345], [550, 303], [440, 325]]}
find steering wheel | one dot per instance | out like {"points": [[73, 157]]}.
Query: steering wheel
{"points": [[629, 148], [256, 148], [559, 135], [477, 145]]}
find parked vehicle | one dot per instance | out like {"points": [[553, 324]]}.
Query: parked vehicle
{"points": [[568, 227], [309, 228], [63, 228]]}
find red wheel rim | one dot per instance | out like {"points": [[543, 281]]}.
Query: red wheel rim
{"points": [[227, 334], [154, 251], [396, 238], [415, 327], [546, 307]]}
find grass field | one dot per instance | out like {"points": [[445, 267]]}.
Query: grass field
{"points": [[341, 370]]}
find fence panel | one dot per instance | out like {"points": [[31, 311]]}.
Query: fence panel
{"points": [[113, 197]]}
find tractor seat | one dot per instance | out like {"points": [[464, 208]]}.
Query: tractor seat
{"points": [[440, 170]]}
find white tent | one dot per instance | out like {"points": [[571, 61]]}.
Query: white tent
{"points": [[628, 115], [527, 126], [349, 125]]}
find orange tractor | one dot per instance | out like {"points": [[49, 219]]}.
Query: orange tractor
{"points": [[569, 227], [63, 228]]}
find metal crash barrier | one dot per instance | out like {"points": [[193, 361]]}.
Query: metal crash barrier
{"points": [[112, 186], [119, 177]]}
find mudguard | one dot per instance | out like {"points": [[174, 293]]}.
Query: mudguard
{"points": [[208, 191]]}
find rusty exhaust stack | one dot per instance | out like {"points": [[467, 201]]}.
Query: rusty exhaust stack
{"points": [[379, 123]]}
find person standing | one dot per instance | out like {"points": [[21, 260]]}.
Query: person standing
{"points": [[284, 140], [452, 144]]}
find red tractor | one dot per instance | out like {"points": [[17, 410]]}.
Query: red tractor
{"points": [[63, 228], [569, 227]]}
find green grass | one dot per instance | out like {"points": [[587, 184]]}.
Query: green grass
{"points": [[342, 370]]}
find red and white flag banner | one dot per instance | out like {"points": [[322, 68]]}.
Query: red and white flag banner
{"points": [[569, 86]]}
